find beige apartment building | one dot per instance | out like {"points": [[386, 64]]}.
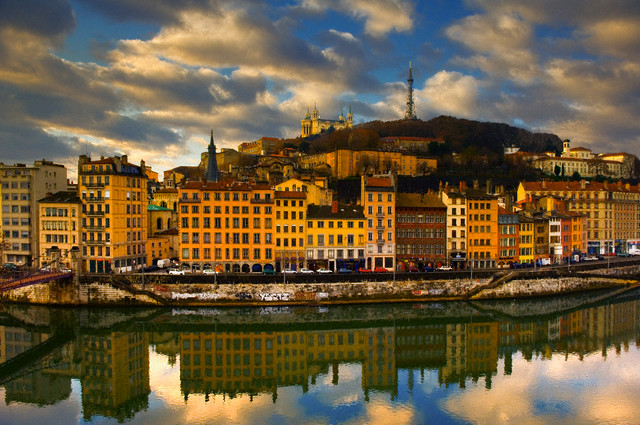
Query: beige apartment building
{"points": [[21, 187], [59, 224]]}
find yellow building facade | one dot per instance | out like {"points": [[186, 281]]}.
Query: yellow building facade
{"points": [[290, 224], [114, 214], [227, 225], [344, 163], [335, 237], [59, 222], [483, 235]]}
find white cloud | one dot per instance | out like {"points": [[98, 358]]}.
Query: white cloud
{"points": [[450, 93]]}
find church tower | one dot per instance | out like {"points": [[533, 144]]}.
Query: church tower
{"points": [[212, 175], [410, 113]]}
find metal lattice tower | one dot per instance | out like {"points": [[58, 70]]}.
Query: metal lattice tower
{"points": [[410, 113]]}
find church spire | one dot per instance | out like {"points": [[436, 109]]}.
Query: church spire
{"points": [[212, 175], [410, 113]]}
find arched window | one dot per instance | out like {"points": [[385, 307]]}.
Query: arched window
{"points": [[168, 223], [159, 223]]}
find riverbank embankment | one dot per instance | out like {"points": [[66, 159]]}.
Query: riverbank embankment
{"points": [[163, 290]]}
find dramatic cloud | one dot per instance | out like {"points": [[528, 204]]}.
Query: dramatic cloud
{"points": [[250, 69]]}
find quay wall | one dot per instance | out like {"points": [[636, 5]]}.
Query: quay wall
{"points": [[128, 290]]}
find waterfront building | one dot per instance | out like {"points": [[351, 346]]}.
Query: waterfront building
{"points": [[526, 235], [540, 238], [226, 225], [508, 234], [456, 228], [59, 224], [313, 124], [343, 163], [114, 214], [482, 221], [21, 187], [290, 214], [578, 232], [316, 191], [611, 210], [335, 237], [420, 231], [378, 198]]}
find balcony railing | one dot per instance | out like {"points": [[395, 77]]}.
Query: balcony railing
{"points": [[94, 213], [93, 199]]}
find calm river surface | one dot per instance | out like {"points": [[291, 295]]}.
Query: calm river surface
{"points": [[564, 360]]}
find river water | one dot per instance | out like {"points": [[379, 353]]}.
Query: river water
{"points": [[562, 360]]}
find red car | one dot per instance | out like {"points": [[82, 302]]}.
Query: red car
{"points": [[363, 270], [380, 270]]}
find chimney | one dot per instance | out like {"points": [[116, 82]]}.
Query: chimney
{"points": [[544, 184], [583, 184], [476, 184], [124, 159], [334, 207]]}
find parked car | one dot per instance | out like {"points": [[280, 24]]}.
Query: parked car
{"points": [[305, 270], [209, 271], [323, 271], [412, 269], [364, 270], [10, 266], [380, 270], [289, 271], [344, 270], [589, 258], [516, 265], [176, 271], [268, 271], [429, 269], [444, 268]]}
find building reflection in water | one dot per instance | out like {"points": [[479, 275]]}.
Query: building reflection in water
{"points": [[113, 366]]}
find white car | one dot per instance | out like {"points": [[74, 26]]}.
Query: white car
{"points": [[324, 271], [209, 271], [305, 270], [176, 271], [444, 268], [289, 271]]}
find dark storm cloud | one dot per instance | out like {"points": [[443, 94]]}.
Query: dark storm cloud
{"points": [[24, 144], [140, 132], [47, 18], [154, 11]]}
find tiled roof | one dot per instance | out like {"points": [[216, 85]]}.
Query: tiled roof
{"points": [[344, 211], [379, 181], [572, 186], [289, 194], [418, 200], [62, 197]]}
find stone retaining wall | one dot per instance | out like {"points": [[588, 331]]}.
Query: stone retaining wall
{"points": [[101, 292]]}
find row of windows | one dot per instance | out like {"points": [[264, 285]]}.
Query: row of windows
{"points": [[16, 197], [321, 254], [229, 253], [234, 223], [330, 224], [421, 233], [227, 196], [235, 238], [14, 185], [379, 197], [419, 218]]}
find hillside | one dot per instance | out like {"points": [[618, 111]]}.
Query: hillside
{"points": [[486, 137]]}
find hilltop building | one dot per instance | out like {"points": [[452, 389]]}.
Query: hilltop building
{"points": [[587, 164], [313, 124]]}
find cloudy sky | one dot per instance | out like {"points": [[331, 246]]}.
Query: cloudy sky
{"points": [[150, 78]]}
